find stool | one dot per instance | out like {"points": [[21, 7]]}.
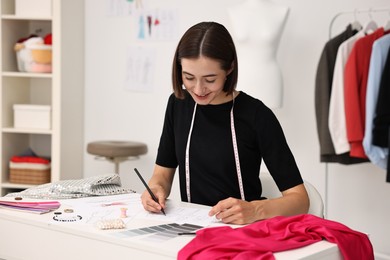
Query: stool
{"points": [[117, 151]]}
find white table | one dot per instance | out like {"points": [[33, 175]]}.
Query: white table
{"points": [[27, 236]]}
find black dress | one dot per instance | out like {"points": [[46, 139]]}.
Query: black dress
{"points": [[213, 174]]}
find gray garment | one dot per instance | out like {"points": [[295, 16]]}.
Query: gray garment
{"points": [[323, 88]]}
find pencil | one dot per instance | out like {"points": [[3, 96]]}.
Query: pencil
{"points": [[148, 189]]}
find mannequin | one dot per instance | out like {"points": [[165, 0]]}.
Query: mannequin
{"points": [[257, 28]]}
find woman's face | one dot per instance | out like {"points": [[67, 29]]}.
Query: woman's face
{"points": [[204, 80]]}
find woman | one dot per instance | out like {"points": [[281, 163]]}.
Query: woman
{"points": [[218, 136]]}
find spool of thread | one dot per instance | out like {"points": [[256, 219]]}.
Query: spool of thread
{"points": [[123, 213]]}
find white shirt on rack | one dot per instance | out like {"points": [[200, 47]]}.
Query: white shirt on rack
{"points": [[336, 120]]}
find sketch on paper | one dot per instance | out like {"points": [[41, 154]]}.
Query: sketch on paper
{"points": [[156, 24], [140, 67]]}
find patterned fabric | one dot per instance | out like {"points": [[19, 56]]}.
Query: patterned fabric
{"points": [[109, 184]]}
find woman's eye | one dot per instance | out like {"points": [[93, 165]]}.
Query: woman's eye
{"points": [[189, 78], [210, 80]]}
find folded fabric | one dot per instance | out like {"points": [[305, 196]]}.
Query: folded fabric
{"points": [[29, 166], [261, 239], [29, 159]]}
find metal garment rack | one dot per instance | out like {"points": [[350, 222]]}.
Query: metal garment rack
{"points": [[355, 12]]}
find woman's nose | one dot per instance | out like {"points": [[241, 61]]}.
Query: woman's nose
{"points": [[198, 87]]}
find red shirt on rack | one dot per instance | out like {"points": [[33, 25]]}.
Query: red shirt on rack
{"points": [[355, 86]]}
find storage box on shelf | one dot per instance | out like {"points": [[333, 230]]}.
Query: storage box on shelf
{"points": [[33, 8], [34, 58], [32, 116], [29, 168], [29, 176]]}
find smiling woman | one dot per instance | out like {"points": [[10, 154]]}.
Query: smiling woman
{"points": [[218, 136], [204, 80]]}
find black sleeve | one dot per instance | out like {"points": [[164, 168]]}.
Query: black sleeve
{"points": [[275, 151], [166, 154], [382, 119]]}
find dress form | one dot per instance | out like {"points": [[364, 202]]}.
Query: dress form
{"points": [[257, 28]]}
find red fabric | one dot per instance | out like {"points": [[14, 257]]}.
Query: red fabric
{"points": [[355, 87], [261, 239], [21, 40], [48, 39], [29, 159]]}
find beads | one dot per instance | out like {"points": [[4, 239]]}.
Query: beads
{"points": [[111, 224]]}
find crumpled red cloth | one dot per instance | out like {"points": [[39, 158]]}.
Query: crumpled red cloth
{"points": [[261, 239]]}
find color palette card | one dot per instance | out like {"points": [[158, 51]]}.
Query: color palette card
{"points": [[159, 232]]}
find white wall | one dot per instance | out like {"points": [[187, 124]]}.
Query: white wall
{"points": [[357, 195]]}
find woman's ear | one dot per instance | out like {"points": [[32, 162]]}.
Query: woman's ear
{"points": [[230, 70]]}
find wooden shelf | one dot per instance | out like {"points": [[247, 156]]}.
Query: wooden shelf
{"points": [[30, 18], [62, 90], [16, 185], [27, 130], [26, 74]]}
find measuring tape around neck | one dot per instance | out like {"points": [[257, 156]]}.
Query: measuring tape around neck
{"points": [[235, 148]]}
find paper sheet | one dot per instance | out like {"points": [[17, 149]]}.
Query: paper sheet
{"points": [[93, 209]]}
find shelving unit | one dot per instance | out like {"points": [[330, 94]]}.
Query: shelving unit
{"points": [[63, 90]]}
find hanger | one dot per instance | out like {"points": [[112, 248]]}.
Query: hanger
{"points": [[387, 26], [371, 25], [356, 25]]}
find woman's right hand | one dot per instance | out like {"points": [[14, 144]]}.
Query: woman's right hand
{"points": [[160, 184], [151, 205]]}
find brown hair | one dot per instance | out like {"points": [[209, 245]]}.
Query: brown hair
{"points": [[209, 39]]}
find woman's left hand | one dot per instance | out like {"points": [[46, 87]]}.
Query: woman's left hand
{"points": [[236, 211]]}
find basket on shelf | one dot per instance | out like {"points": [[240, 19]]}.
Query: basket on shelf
{"points": [[26, 176], [34, 55], [29, 170]]}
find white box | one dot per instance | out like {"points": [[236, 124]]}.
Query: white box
{"points": [[32, 116], [33, 8]]}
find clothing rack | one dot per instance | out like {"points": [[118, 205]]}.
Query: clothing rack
{"points": [[369, 11], [355, 12]]}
